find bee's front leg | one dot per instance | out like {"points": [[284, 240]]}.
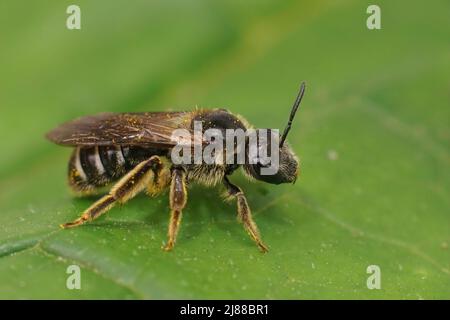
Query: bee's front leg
{"points": [[178, 199], [244, 213]]}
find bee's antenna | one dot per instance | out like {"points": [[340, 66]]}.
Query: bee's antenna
{"points": [[293, 111]]}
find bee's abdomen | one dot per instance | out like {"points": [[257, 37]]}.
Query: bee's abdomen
{"points": [[93, 167]]}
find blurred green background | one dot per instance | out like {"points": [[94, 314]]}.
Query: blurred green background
{"points": [[373, 136]]}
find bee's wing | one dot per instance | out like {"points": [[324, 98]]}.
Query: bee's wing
{"points": [[139, 129]]}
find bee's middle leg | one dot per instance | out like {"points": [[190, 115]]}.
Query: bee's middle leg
{"points": [[178, 199], [126, 188], [244, 213]]}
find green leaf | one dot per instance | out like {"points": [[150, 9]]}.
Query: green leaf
{"points": [[372, 135]]}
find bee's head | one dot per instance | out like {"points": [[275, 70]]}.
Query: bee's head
{"points": [[288, 164]]}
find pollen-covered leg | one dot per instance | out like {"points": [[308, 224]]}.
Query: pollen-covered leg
{"points": [[244, 213], [161, 180], [126, 188], [178, 199]]}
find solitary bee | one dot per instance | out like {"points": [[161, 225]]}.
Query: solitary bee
{"points": [[132, 150]]}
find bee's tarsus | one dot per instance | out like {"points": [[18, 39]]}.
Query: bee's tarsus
{"points": [[168, 247], [263, 248]]}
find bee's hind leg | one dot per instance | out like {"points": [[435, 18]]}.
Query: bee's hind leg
{"points": [[244, 213], [126, 188], [178, 199]]}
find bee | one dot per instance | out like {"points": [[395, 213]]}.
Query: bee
{"points": [[132, 152]]}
